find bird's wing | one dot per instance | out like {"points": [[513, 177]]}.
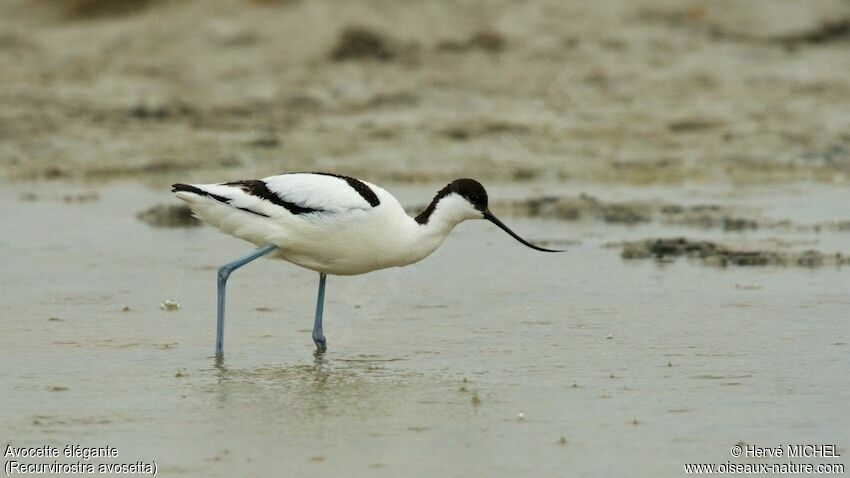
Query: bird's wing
{"points": [[323, 192], [290, 194]]}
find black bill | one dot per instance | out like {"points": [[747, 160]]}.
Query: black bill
{"points": [[490, 217]]}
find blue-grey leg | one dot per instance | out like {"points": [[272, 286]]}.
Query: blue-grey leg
{"points": [[223, 273], [318, 334]]}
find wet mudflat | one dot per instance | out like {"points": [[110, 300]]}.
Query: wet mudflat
{"points": [[613, 91], [486, 359]]}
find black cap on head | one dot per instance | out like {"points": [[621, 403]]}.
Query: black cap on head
{"points": [[474, 192], [470, 189]]}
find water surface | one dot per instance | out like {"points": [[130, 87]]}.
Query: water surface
{"points": [[626, 368]]}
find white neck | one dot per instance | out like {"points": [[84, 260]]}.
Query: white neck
{"points": [[449, 211]]}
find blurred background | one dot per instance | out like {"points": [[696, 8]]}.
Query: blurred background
{"points": [[631, 133], [654, 91]]}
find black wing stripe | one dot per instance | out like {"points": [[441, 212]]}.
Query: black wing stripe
{"points": [[252, 212], [362, 188], [200, 192], [258, 188]]}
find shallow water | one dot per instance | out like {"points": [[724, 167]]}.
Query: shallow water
{"points": [[639, 366]]}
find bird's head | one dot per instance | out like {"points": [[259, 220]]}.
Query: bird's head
{"points": [[464, 199]]}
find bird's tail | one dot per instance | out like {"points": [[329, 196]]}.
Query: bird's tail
{"points": [[189, 192], [175, 188]]}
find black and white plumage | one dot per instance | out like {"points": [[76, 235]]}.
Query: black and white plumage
{"points": [[334, 224], [330, 224]]}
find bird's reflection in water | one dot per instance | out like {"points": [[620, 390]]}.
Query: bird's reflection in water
{"points": [[323, 387]]}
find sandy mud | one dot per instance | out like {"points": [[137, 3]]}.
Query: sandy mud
{"points": [[628, 92], [724, 255]]}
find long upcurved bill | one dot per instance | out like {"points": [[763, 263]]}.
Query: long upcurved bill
{"points": [[490, 217]]}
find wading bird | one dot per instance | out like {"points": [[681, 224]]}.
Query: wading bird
{"points": [[330, 224]]}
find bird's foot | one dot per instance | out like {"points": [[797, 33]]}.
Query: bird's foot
{"points": [[321, 344]]}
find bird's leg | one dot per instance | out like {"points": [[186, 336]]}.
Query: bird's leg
{"points": [[223, 273], [318, 334]]}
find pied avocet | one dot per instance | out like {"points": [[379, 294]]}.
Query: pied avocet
{"points": [[331, 224]]}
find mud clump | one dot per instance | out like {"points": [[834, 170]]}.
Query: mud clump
{"points": [[166, 215], [691, 124], [841, 226], [81, 197], [715, 254], [361, 43], [791, 31], [623, 214], [712, 216], [485, 40], [585, 206], [827, 31], [161, 112], [737, 223], [482, 127], [84, 9], [265, 139]]}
